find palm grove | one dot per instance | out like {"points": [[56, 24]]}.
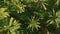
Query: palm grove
{"points": [[29, 16]]}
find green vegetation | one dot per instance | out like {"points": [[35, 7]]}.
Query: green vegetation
{"points": [[29, 16]]}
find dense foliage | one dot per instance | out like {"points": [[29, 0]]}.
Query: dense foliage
{"points": [[29, 16]]}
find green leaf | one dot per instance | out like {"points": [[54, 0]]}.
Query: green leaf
{"points": [[58, 13], [13, 32], [34, 24], [10, 22], [3, 14], [21, 8]]}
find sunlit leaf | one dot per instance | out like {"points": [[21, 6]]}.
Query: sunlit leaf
{"points": [[34, 24], [13, 32], [3, 14], [21, 8], [58, 13]]}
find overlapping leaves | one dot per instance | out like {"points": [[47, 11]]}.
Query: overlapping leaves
{"points": [[12, 26], [3, 13], [34, 24]]}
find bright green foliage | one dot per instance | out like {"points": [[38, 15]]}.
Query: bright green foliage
{"points": [[12, 26], [34, 24], [29, 16], [3, 13]]}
